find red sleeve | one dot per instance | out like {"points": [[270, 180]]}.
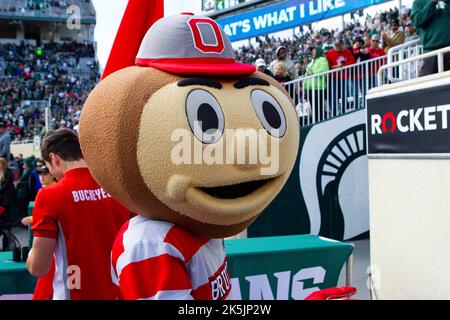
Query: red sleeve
{"points": [[45, 222]]}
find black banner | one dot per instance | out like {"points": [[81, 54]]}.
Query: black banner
{"points": [[410, 123]]}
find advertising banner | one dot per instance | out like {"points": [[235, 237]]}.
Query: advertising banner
{"points": [[410, 122], [288, 14], [275, 268], [327, 193], [284, 268]]}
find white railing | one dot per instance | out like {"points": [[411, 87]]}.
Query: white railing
{"points": [[328, 94], [403, 52], [439, 54]]}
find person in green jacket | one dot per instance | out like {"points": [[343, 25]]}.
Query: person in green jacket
{"points": [[432, 19], [317, 65], [316, 87]]}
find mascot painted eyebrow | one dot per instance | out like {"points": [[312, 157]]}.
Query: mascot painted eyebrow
{"points": [[142, 129]]}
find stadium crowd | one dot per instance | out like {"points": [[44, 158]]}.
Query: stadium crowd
{"points": [[55, 7], [20, 181], [48, 73], [365, 40], [52, 72]]}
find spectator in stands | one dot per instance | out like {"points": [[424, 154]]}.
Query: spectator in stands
{"points": [[26, 187], [45, 177], [46, 180], [328, 44], [359, 53], [338, 58], [5, 142], [316, 89], [299, 69], [375, 52], [282, 56], [393, 37], [261, 66], [410, 32], [281, 73], [13, 165], [38, 165], [7, 197], [358, 76], [305, 59], [367, 41], [431, 18]]}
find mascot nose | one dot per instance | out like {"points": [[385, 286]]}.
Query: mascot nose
{"points": [[244, 146]]}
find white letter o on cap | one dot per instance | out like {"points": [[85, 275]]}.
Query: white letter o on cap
{"points": [[218, 47]]}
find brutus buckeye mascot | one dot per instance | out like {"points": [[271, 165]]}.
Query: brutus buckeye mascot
{"points": [[141, 131]]}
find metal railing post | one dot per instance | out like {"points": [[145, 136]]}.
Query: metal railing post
{"points": [[440, 62], [439, 54]]}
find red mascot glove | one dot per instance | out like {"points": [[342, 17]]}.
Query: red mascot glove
{"points": [[341, 293]]}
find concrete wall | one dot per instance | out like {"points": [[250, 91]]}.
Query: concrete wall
{"points": [[27, 149], [410, 224], [85, 33]]}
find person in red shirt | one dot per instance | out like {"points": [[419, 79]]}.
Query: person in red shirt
{"points": [[75, 221], [375, 52], [339, 57], [359, 74]]}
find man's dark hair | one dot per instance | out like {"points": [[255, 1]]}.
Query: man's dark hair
{"points": [[62, 142], [395, 21]]}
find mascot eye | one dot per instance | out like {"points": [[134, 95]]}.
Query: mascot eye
{"points": [[269, 113], [205, 116]]}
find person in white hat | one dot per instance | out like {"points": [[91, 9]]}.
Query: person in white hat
{"points": [[261, 66]]}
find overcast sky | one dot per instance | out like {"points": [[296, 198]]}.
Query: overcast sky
{"points": [[109, 17]]}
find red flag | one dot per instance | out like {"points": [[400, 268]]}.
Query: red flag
{"points": [[139, 16]]}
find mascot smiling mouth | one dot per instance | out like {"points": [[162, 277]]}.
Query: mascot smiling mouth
{"points": [[234, 203], [236, 191]]}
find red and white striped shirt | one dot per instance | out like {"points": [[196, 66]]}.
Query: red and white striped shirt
{"points": [[157, 260]]}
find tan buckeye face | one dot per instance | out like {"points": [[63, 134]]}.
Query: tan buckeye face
{"points": [[213, 152]]}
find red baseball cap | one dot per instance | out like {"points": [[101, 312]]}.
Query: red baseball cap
{"points": [[188, 44]]}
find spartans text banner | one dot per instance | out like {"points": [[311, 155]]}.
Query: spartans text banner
{"points": [[288, 14]]}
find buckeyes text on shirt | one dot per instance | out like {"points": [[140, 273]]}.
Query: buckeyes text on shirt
{"points": [[90, 195]]}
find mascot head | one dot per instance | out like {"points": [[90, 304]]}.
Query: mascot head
{"points": [[188, 135]]}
